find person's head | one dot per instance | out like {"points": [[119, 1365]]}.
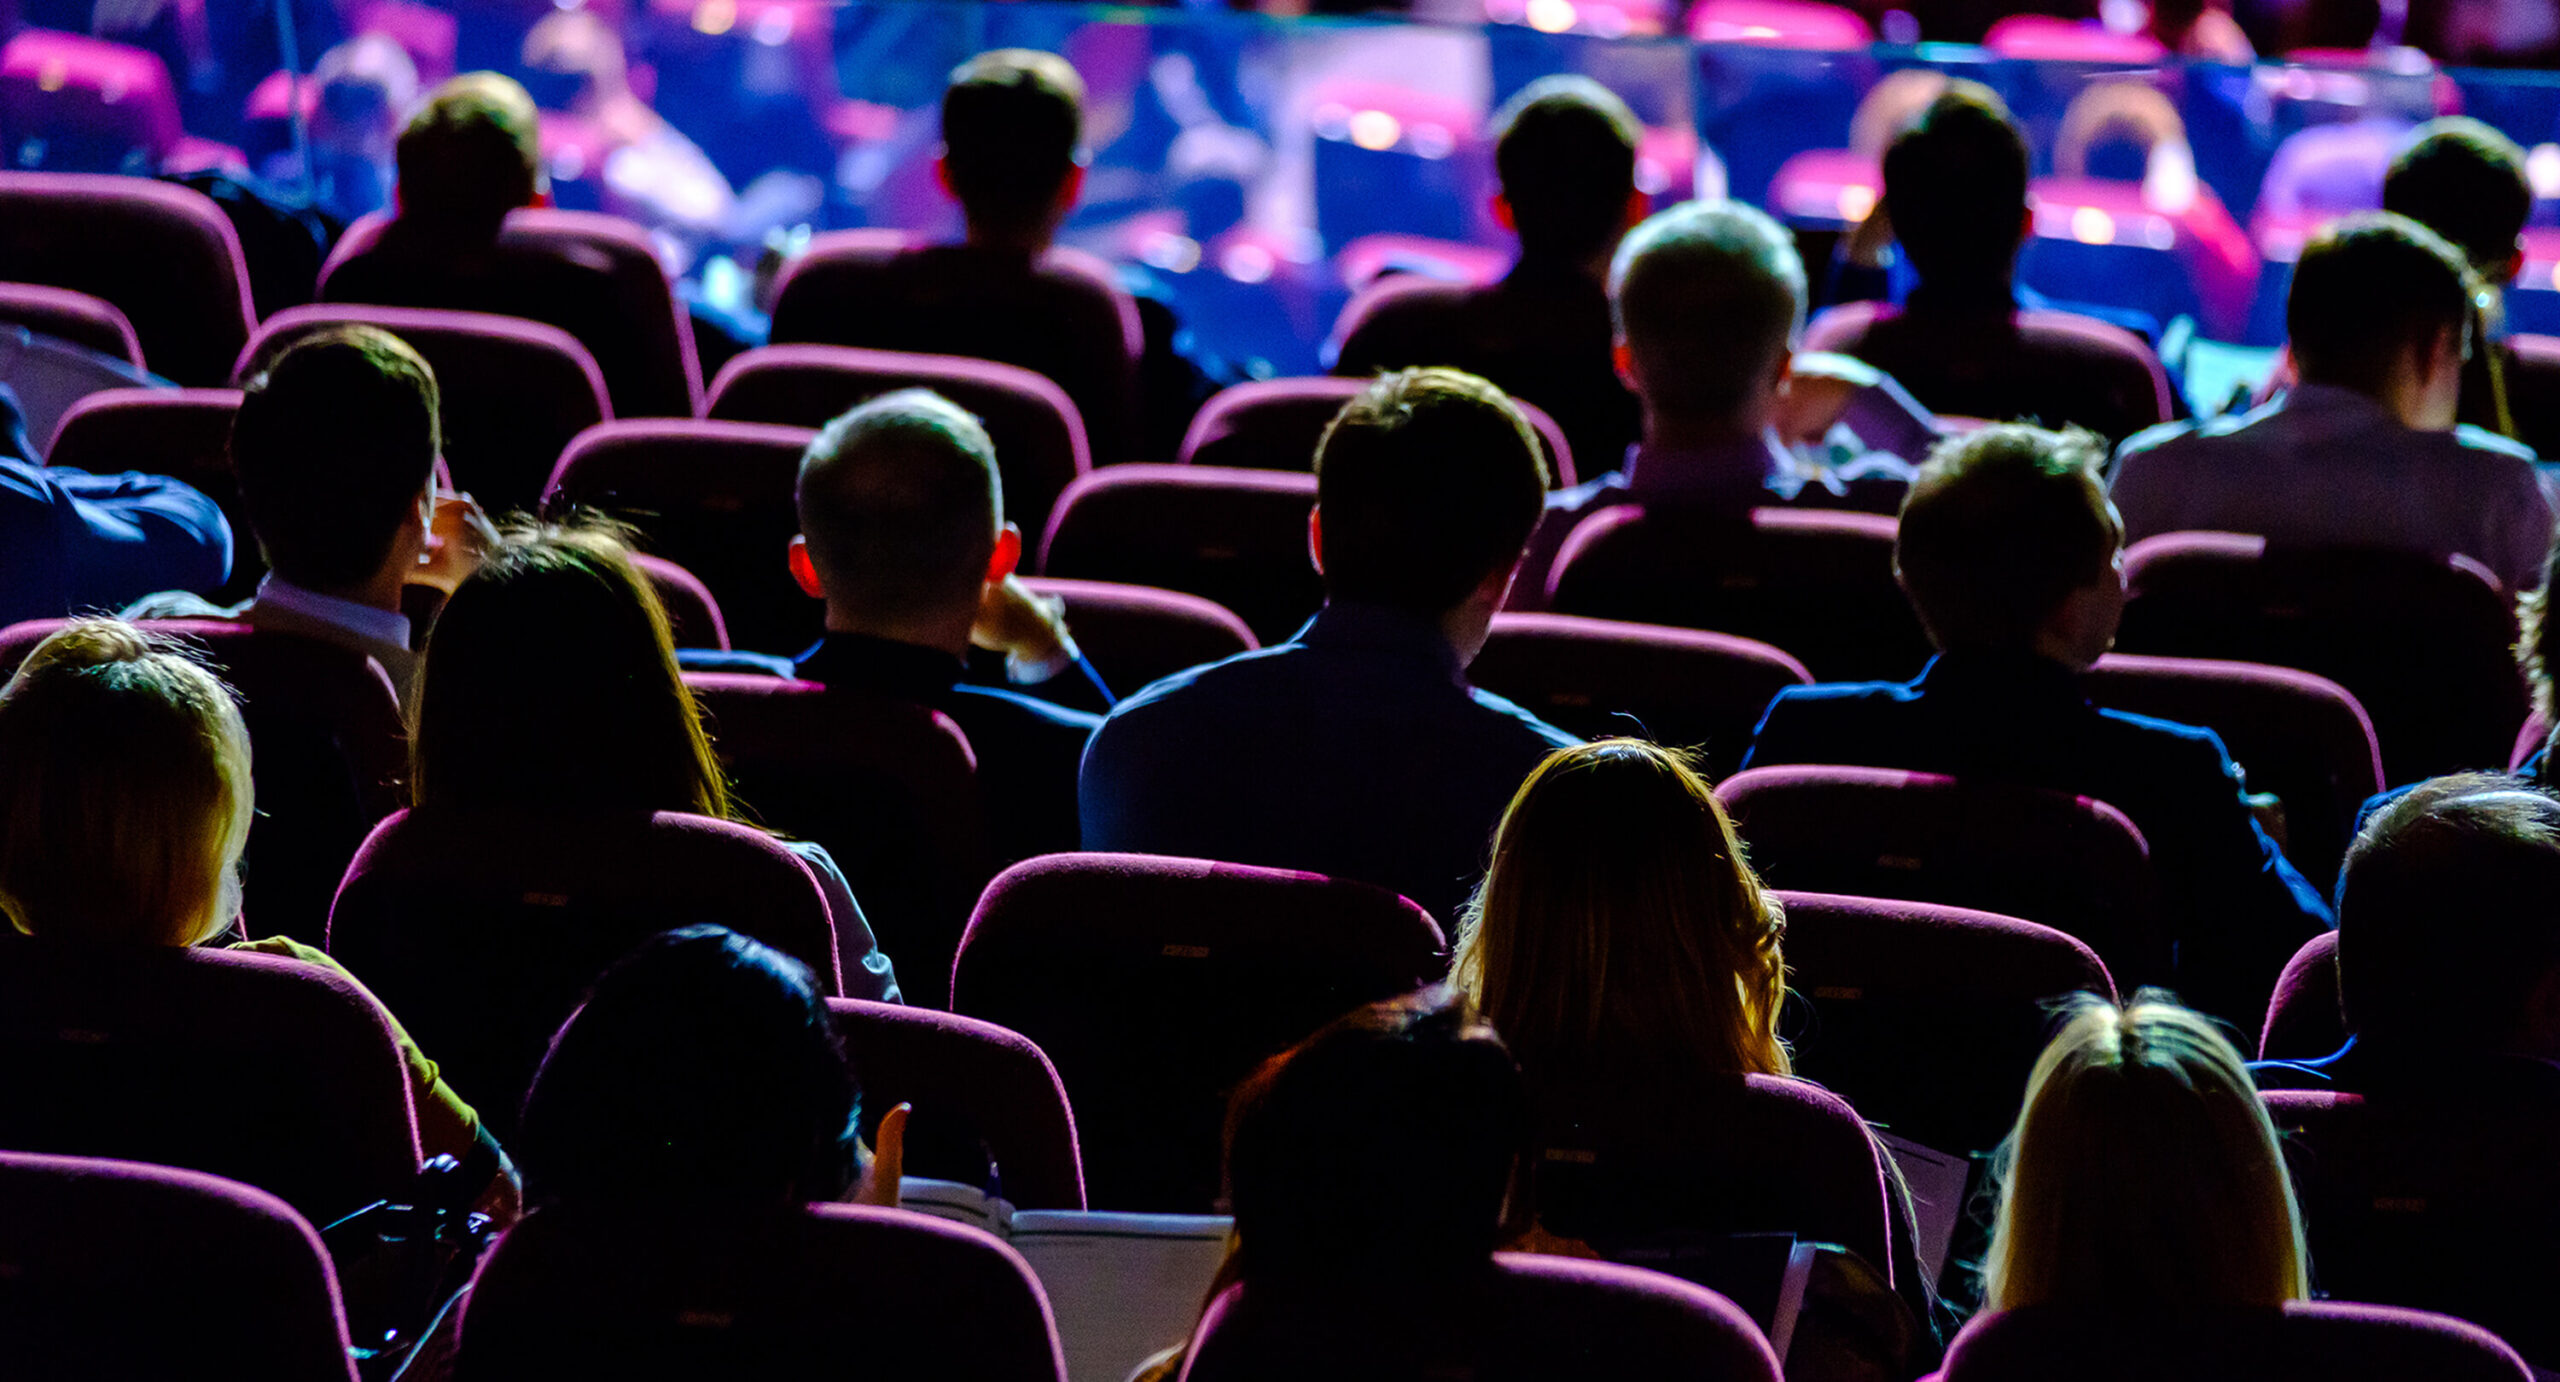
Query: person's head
{"points": [[2008, 544], [1619, 918], [1708, 297], [1427, 486], [2382, 305], [550, 682], [2465, 181], [470, 155], [2143, 1172], [902, 520], [366, 85], [124, 791], [1012, 142], [1955, 186], [571, 56], [702, 1072], [334, 448], [2448, 936], [1565, 149], [1386, 1145]]}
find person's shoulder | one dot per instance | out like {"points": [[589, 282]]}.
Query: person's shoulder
{"points": [[2165, 746], [1510, 718], [1204, 683], [180, 604], [1022, 708], [2483, 443], [1827, 696]]}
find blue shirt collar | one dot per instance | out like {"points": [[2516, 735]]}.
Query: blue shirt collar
{"points": [[1353, 626]]}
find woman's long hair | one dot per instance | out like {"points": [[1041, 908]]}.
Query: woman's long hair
{"points": [[2143, 1172], [550, 682], [1620, 923]]}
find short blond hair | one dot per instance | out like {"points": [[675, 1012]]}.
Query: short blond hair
{"points": [[124, 790], [2143, 1172]]}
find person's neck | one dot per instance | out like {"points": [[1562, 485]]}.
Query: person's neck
{"points": [[381, 592], [1966, 291], [947, 633], [1594, 266], [2402, 398], [1663, 432], [1029, 242]]}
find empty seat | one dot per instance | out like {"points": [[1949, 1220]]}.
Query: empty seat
{"points": [[1529, 1317], [514, 392], [2071, 863], [92, 323], [714, 497], [989, 1109], [888, 787], [185, 433], [1238, 537], [1889, 987], [883, 1291], [1818, 584], [643, 346], [224, 1272], [1158, 983], [2304, 1019], [693, 615], [1134, 635], [483, 931], [1039, 439], [262, 1069], [164, 255], [1274, 424], [2306, 1341], [77, 104], [1594, 677], [2297, 735], [2421, 642], [329, 757]]}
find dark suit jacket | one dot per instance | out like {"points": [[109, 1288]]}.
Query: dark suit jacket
{"points": [[1028, 750], [2236, 909]]}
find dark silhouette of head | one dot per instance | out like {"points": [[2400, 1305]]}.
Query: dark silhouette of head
{"points": [[1708, 298], [2007, 544], [1565, 148], [1427, 486], [470, 155], [334, 445], [1955, 186], [2373, 296], [2466, 182], [902, 509], [1012, 137]]}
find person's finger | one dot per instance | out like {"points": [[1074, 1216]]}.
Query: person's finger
{"points": [[888, 1160]]}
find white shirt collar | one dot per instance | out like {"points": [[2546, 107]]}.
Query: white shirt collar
{"points": [[380, 625]]}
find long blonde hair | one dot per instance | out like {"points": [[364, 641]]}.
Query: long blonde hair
{"points": [[1619, 921], [2143, 1172], [124, 790]]}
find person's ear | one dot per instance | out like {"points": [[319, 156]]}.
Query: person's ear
{"points": [[1315, 538], [1639, 206], [1500, 205], [2026, 223], [882, 1171], [1007, 558], [942, 176], [1625, 362], [1070, 189], [805, 571], [2515, 265]]}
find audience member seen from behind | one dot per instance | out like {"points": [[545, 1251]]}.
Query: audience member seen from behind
{"points": [[1013, 156], [2014, 560], [1708, 298], [125, 802], [684, 1116], [556, 652], [2465, 181], [1632, 960], [468, 157], [1357, 748], [903, 534], [2143, 1177], [335, 449], [2365, 450], [1565, 149], [70, 540], [1373, 1170], [1968, 339]]}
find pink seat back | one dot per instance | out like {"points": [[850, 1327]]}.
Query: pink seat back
{"points": [[92, 323], [2071, 863], [1039, 438], [2307, 1341], [86, 105], [1238, 537], [483, 930], [1135, 635], [184, 433], [715, 497], [2420, 642], [2051, 38], [1780, 24], [1894, 985], [2300, 736], [1533, 1317], [514, 392], [1157, 983], [165, 255], [989, 1110], [911, 1296], [692, 614], [1594, 677], [2305, 1020], [87, 1241], [890, 789], [1274, 424], [1818, 584], [104, 1051]]}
